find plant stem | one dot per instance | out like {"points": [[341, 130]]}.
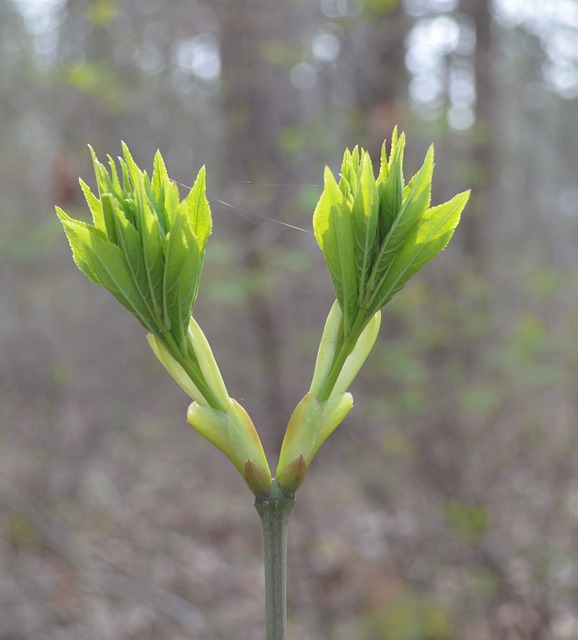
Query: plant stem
{"points": [[274, 510], [347, 346]]}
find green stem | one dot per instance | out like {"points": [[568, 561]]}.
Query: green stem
{"points": [[274, 510], [346, 348], [188, 364], [338, 363]]}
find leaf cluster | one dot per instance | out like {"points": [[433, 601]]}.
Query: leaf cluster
{"points": [[145, 245], [376, 233]]}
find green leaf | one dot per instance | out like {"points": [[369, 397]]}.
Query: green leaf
{"points": [[427, 240], [408, 217], [78, 253], [129, 242], [350, 170], [104, 185], [197, 210], [126, 179], [345, 181], [391, 189], [94, 205], [365, 219], [396, 141], [333, 227], [117, 189], [104, 263], [157, 191], [152, 243], [180, 278], [160, 176], [383, 170], [172, 202], [134, 173]]}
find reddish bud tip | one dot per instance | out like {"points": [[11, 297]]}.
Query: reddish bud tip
{"points": [[258, 479], [292, 475]]}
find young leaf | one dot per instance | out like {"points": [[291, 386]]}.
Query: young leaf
{"points": [[333, 227], [160, 177], [153, 254], [134, 172], [104, 185], [349, 182], [428, 238], [171, 203], [104, 263], [126, 180], [180, 278], [396, 141], [72, 229], [391, 189], [196, 208], [408, 217], [345, 181], [94, 205], [116, 187], [365, 219], [383, 170], [130, 243]]}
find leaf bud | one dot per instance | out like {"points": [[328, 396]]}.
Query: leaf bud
{"points": [[292, 475]]}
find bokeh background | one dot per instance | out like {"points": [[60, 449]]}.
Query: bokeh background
{"points": [[446, 507]]}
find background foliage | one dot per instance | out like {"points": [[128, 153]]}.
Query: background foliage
{"points": [[453, 483]]}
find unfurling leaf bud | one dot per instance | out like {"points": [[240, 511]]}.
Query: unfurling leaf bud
{"points": [[233, 432], [311, 423]]}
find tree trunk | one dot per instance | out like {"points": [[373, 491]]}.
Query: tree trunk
{"points": [[475, 225]]}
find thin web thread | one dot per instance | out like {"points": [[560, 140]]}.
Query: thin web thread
{"points": [[258, 215]]}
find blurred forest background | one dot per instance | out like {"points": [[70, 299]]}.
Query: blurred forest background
{"points": [[446, 506]]}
